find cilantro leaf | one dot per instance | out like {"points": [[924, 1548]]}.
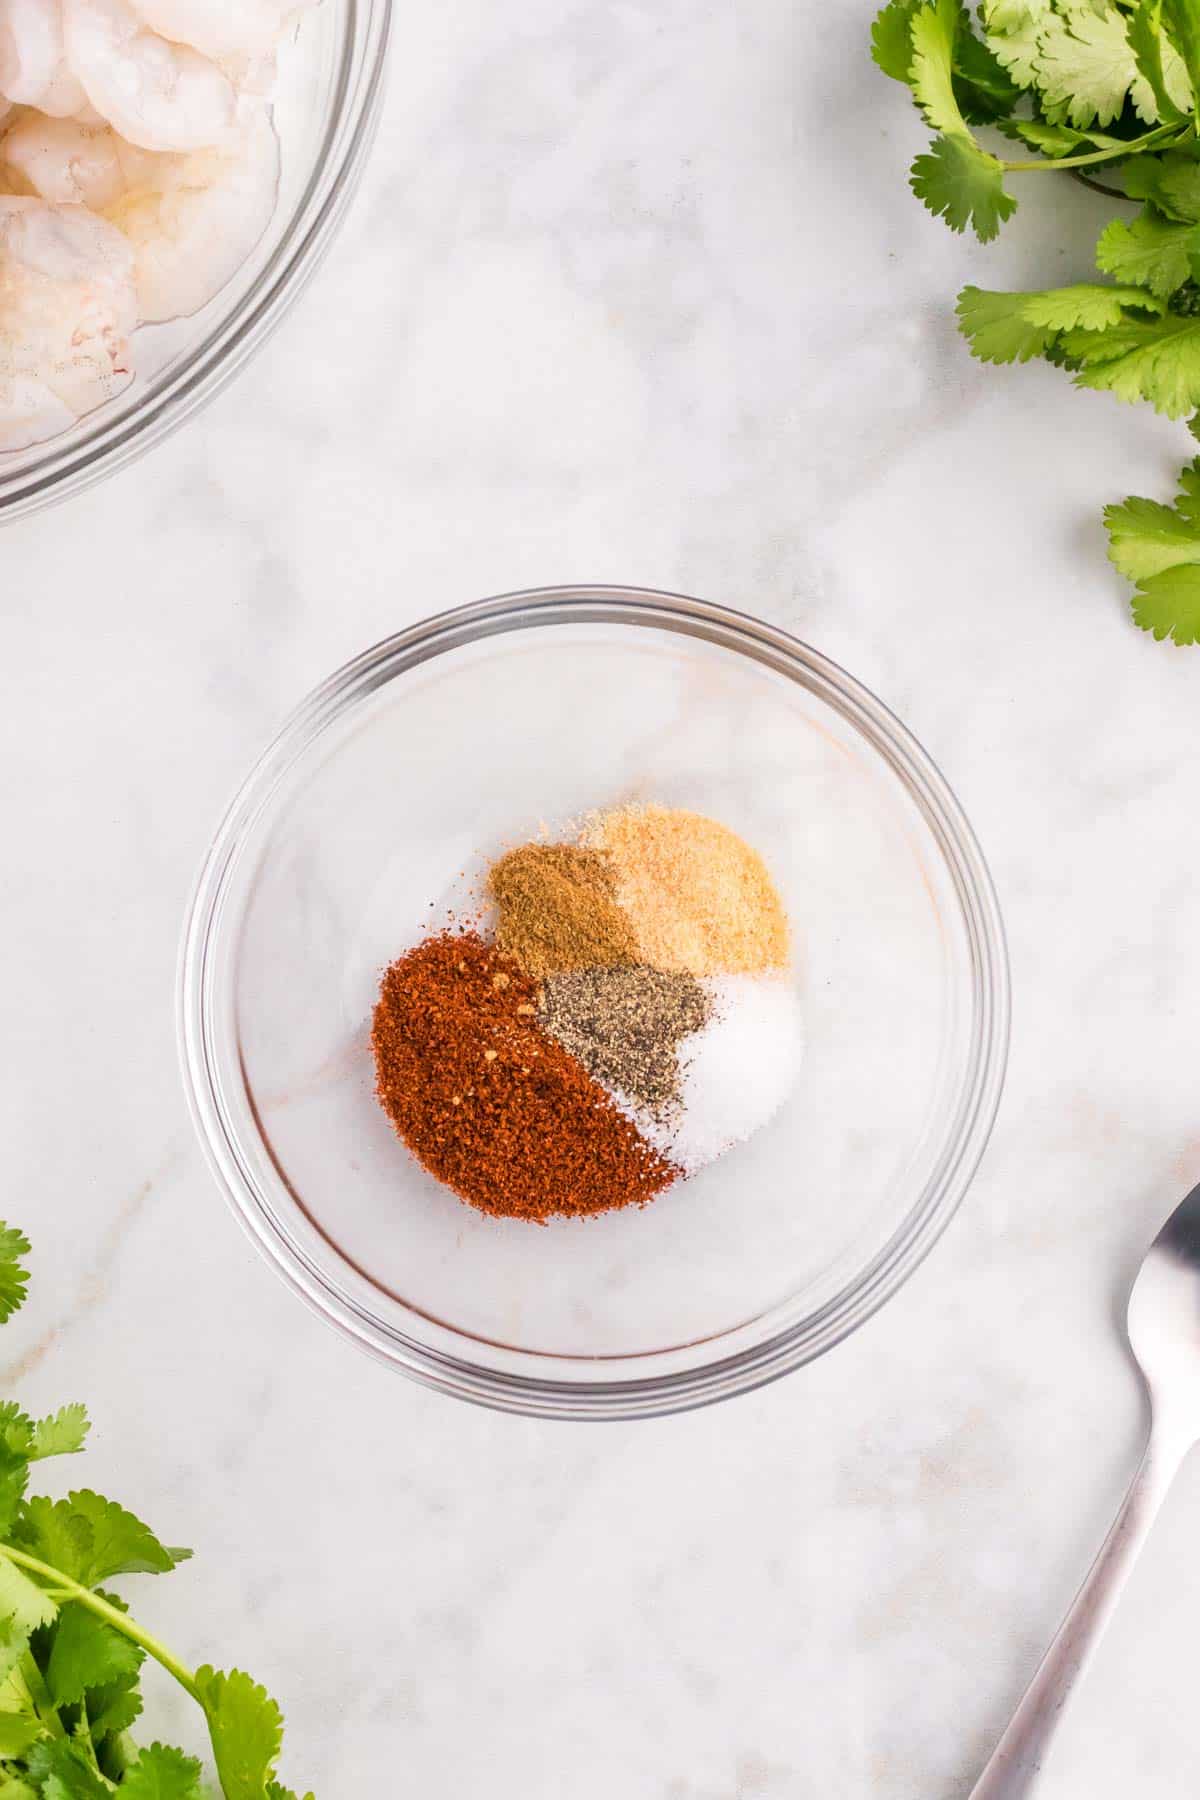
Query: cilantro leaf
{"points": [[60, 1434], [14, 1277], [891, 38], [19, 1732], [1144, 359], [1147, 537], [90, 1538], [1050, 140], [955, 178], [1060, 140], [161, 1773], [246, 1727], [1182, 20], [1171, 182], [931, 76], [112, 1709], [1085, 65], [14, 1478], [1168, 605], [54, 1534], [16, 1428], [22, 1601], [1012, 28], [982, 85], [14, 1692], [1159, 64], [1158, 548], [1151, 251], [1008, 16], [69, 1678], [1090, 305], [1177, 188], [1005, 328], [14, 1641], [954, 77], [1139, 177], [996, 327], [63, 1773], [962, 184], [121, 1544], [87, 1653]]}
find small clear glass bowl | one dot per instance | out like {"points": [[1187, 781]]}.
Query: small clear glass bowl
{"points": [[326, 101], [469, 730]]}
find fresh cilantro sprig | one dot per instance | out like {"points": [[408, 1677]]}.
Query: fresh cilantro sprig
{"points": [[71, 1656], [1098, 86], [1158, 548]]}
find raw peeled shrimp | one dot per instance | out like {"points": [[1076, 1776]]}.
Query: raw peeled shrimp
{"points": [[137, 174], [33, 63], [63, 161], [64, 97], [157, 94], [31, 47], [217, 29], [67, 306], [193, 220]]}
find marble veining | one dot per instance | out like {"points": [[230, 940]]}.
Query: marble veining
{"points": [[631, 293]]}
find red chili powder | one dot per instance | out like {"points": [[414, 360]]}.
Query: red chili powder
{"points": [[492, 1106]]}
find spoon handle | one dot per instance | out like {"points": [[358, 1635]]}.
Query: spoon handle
{"points": [[1014, 1772]]}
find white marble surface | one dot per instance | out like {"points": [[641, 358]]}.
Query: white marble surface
{"points": [[633, 292]]}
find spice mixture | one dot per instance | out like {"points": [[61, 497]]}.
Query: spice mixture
{"points": [[698, 897], [626, 1021], [558, 910], [625, 1026], [491, 1105]]}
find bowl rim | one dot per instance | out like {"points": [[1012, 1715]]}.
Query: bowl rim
{"points": [[236, 335], [635, 1396]]}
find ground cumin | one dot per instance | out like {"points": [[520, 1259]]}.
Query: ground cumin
{"points": [[557, 910], [488, 1102]]}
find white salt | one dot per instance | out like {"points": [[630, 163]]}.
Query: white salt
{"points": [[738, 1071]]}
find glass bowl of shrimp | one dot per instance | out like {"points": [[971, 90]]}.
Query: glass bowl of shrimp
{"points": [[171, 172]]}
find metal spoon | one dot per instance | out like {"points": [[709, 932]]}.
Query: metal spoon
{"points": [[1164, 1330]]}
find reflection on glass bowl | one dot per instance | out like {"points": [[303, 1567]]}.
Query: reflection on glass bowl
{"points": [[475, 726]]}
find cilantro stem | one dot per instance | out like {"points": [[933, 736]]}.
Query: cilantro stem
{"points": [[83, 1737], [1098, 187], [39, 1695], [111, 1615], [1133, 148]]}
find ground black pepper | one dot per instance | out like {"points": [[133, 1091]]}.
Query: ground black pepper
{"points": [[625, 1026]]}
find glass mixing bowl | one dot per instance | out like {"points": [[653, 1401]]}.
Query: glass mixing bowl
{"points": [[326, 102], [465, 732]]}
